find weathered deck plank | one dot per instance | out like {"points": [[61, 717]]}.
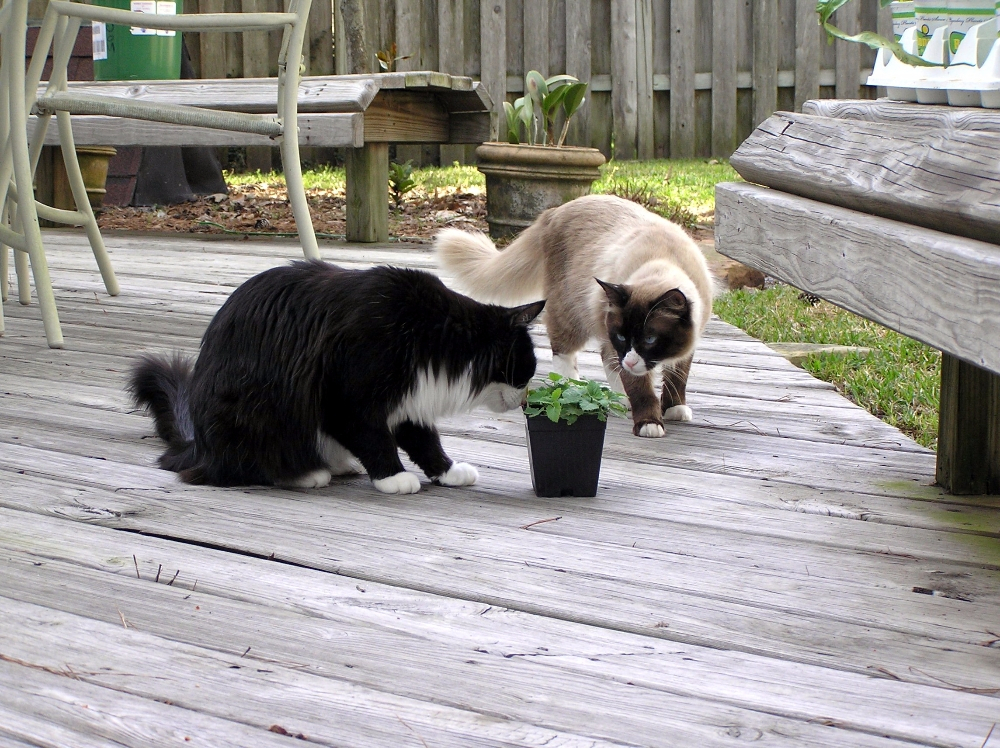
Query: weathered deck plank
{"points": [[780, 569]]}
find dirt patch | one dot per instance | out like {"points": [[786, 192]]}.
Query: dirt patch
{"points": [[264, 210]]}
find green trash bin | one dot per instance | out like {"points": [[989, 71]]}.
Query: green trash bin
{"points": [[133, 53]]}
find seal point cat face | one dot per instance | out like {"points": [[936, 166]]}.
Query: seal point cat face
{"points": [[646, 328]]}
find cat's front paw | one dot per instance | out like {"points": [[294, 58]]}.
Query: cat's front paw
{"points": [[314, 479], [678, 413], [399, 483], [459, 474], [650, 430]]}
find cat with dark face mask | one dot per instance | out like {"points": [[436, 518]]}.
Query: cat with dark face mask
{"points": [[311, 370], [650, 303]]}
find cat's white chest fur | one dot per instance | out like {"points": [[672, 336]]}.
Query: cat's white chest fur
{"points": [[435, 396]]}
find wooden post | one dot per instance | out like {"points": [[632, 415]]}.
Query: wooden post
{"points": [[848, 66], [624, 91], [765, 59], [808, 38], [968, 460], [682, 61], [724, 42], [367, 171]]}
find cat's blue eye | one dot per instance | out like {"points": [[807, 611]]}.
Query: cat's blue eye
{"points": [[649, 339], [619, 337]]}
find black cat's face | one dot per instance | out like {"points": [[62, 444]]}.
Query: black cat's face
{"points": [[513, 358], [646, 329]]}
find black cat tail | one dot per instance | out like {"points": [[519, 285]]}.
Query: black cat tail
{"points": [[160, 384]]}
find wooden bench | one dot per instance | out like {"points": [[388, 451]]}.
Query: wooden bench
{"points": [[891, 211], [364, 113]]}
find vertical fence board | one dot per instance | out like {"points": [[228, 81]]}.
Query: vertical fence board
{"points": [[557, 37], [601, 117], [765, 59], [515, 41], [493, 40], [808, 41], [661, 74], [578, 63], [233, 45], [623, 78], [451, 58], [191, 39], [213, 44], [320, 60], [724, 41], [536, 36], [682, 69], [644, 78], [256, 52], [848, 19]]}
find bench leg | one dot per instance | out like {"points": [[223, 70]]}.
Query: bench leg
{"points": [[968, 460], [368, 193]]}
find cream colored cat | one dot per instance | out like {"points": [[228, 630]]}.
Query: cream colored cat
{"points": [[609, 270]]}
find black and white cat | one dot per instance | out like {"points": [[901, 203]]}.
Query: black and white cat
{"points": [[308, 370]]}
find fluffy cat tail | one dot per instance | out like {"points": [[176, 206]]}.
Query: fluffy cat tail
{"points": [[513, 276], [160, 384]]}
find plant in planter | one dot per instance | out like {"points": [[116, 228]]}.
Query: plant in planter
{"points": [[565, 420], [532, 169]]}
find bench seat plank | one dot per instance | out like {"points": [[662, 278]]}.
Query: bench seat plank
{"points": [[326, 130], [940, 289], [939, 178]]}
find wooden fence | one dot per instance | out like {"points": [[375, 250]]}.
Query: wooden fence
{"points": [[668, 78]]}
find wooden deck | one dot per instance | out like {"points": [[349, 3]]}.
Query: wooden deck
{"points": [[778, 570]]}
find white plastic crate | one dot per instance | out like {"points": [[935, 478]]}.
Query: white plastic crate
{"points": [[972, 77]]}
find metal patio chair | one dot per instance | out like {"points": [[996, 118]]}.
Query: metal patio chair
{"points": [[59, 31]]}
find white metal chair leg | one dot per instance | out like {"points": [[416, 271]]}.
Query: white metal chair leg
{"points": [[75, 177], [27, 218], [23, 282], [4, 272]]}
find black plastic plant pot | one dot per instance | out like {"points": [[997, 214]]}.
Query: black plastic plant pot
{"points": [[565, 459]]}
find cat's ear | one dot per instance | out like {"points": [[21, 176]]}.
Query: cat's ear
{"points": [[524, 315], [673, 300], [617, 294]]}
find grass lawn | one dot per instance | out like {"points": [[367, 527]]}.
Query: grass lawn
{"points": [[899, 381]]}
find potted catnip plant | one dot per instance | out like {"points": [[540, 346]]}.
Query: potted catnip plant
{"points": [[533, 169], [565, 420]]}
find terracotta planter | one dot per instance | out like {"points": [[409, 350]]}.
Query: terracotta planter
{"points": [[565, 459], [94, 166], [524, 180]]}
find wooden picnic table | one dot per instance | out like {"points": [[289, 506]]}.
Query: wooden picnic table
{"points": [[364, 113]]}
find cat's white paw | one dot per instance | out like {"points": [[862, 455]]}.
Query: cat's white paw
{"points": [[651, 430], [459, 474], [678, 413], [315, 479], [336, 456], [399, 483]]}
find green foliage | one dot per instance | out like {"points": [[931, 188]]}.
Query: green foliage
{"points": [[401, 180], [826, 8], [567, 399], [538, 110], [898, 381]]}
